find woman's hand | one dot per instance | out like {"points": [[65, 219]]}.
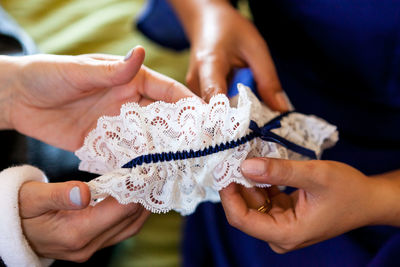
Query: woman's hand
{"points": [[221, 40], [58, 99], [59, 224], [332, 198]]}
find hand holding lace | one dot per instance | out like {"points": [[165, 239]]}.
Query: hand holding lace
{"points": [[58, 99], [59, 224]]}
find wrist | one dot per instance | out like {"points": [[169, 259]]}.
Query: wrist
{"points": [[193, 14], [385, 199], [7, 75]]}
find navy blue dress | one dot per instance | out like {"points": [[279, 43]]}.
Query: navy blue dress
{"points": [[340, 60]]}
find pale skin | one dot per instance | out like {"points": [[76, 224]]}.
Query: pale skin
{"points": [[332, 198], [58, 99], [58, 229]]}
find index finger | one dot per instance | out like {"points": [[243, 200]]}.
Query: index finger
{"points": [[299, 174]]}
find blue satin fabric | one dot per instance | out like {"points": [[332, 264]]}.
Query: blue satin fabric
{"points": [[339, 60]]}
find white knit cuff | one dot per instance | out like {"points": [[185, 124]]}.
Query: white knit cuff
{"points": [[14, 248]]}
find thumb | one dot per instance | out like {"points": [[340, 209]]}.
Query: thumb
{"points": [[36, 198], [107, 71], [299, 174]]}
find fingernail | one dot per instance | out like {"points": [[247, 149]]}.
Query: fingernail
{"points": [[75, 196], [129, 55], [254, 167], [282, 100]]}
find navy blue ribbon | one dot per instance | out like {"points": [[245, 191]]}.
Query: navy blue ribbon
{"points": [[264, 133]]}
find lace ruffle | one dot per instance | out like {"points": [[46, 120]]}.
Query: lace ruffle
{"points": [[187, 125]]}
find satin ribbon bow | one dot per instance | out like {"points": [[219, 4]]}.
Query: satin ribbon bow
{"points": [[265, 134]]}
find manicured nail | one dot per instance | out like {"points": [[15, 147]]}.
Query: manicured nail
{"points": [[282, 100], [254, 167], [129, 55], [75, 196]]}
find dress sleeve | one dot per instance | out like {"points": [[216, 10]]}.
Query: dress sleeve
{"points": [[14, 248]]}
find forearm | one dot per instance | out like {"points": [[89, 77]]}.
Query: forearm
{"points": [[7, 75], [386, 198], [192, 12]]}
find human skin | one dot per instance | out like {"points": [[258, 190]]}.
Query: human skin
{"points": [[332, 198], [57, 228], [221, 40], [58, 99]]}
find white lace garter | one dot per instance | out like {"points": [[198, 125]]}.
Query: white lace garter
{"points": [[174, 156]]}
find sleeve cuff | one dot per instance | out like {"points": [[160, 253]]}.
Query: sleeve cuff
{"points": [[14, 248]]}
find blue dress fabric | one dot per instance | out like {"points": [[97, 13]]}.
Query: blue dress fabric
{"points": [[339, 60]]}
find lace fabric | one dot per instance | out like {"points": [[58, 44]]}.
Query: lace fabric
{"points": [[189, 124]]}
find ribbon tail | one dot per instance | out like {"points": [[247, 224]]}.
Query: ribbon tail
{"points": [[272, 137]]}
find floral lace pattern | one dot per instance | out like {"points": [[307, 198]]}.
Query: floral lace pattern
{"points": [[188, 124]]}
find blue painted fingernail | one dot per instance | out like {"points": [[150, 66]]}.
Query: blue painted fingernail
{"points": [[254, 167], [129, 55], [75, 196]]}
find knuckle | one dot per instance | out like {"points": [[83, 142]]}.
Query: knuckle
{"points": [[109, 67], [57, 198], [288, 239], [207, 58], [203, 56], [74, 245], [170, 91], [311, 167], [277, 249], [287, 171], [285, 235], [318, 169], [74, 241], [270, 169], [189, 79], [286, 247], [136, 230], [211, 90], [193, 83], [280, 170], [133, 209], [80, 257], [139, 225], [234, 220]]}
